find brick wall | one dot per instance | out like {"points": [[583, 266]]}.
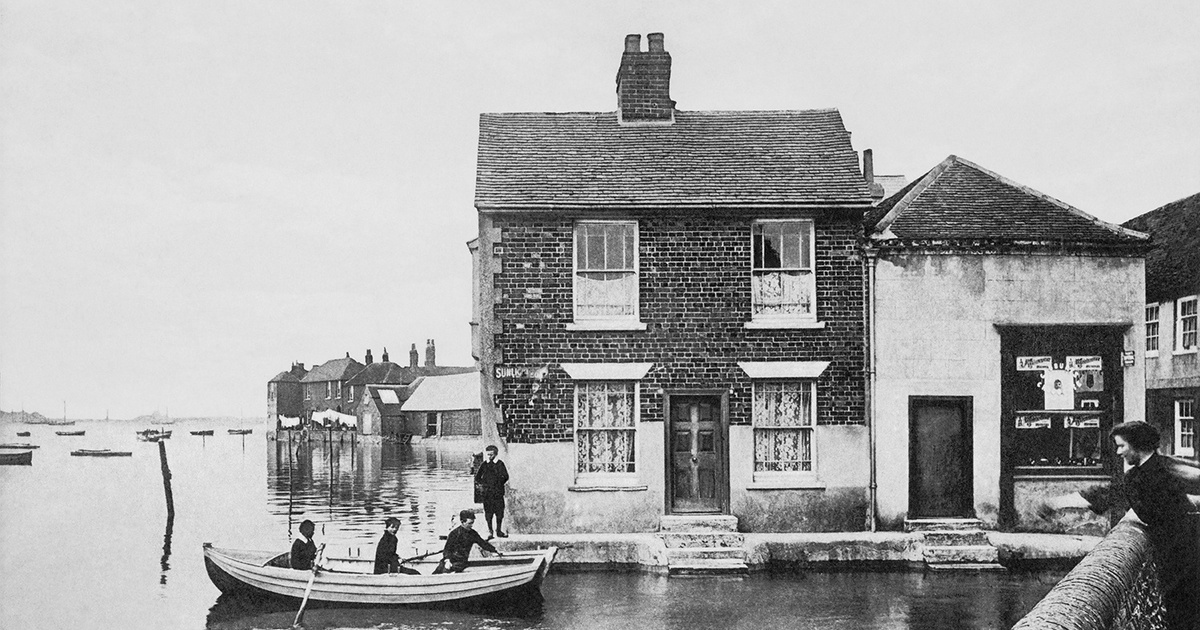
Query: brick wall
{"points": [[694, 299]]}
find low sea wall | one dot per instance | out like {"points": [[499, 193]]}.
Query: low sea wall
{"points": [[1115, 587]]}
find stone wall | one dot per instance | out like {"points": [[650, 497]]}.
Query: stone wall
{"points": [[1114, 588]]}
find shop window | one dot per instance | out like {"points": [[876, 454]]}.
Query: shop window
{"points": [[1185, 427], [783, 426], [1062, 413], [605, 428], [1185, 324], [782, 285], [1152, 330], [606, 271]]}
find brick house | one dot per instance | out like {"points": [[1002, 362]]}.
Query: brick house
{"points": [[324, 387], [669, 312], [380, 412], [1001, 320], [284, 393], [1172, 294]]}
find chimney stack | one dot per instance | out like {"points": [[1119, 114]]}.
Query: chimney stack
{"points": [[429, 354], [368, 359], [385, 360], [644, 82], [413, 355], [868, 166]]}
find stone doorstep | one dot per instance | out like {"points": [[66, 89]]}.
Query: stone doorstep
{"points": [[941, 524], [969, 566], [714, 566], [957, 538], [698, 523], [687, 553], [961, 554], [675, 540]]}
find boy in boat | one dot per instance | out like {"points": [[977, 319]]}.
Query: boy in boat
{"points": [[304, 550], [489, 482], [386, 558], [459, 543]]}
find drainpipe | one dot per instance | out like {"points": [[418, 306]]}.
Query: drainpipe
{"points": [[869, 336]]}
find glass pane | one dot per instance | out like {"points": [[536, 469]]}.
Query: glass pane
{"points": [[782, 293], [595, 249], [772, 246], [791, 245], [782, 450]]}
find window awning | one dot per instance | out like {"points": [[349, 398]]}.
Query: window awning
{"points": [[783, 369], [607, 371]]}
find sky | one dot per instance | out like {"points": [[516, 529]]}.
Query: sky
{"points": [[195, 194]]}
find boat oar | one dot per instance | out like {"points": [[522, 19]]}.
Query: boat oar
{"points": [[308, 589], [422, 556]]}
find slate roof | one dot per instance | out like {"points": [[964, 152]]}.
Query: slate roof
{"points": [[711, 158], [384, 372], [446, 393], [334, 370], [1173, 266], [285, 377], [959, 200], [403, 392]]}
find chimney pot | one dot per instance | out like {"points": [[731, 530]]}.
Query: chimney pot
{"points": [[413, 356], [644, 83], [429, 354], [385, 357], [633, 43], [655, 41], [869, 166], [368, 359]]}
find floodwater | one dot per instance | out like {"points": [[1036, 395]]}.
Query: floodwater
{"points": [[87, 543]]}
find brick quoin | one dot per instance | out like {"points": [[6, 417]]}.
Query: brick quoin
{"points": [[695, 300]]}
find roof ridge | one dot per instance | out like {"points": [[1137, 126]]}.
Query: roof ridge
{"points": [[1163, 206], [822, 110], [881, 228]]}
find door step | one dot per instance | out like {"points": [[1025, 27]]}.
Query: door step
{"points": [[941, 524], [703, 545], [958, 548], [708, 566], [979, 567], [693, 523]]}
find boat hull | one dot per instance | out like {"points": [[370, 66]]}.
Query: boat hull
{"points": [[16, 458], [83, 452], [516, 582]]}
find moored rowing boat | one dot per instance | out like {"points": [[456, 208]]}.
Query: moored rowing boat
{"points": [[348, 582], [204, 432], [16, 458], [72, 433], [100, 452], [240, 431], [19, 446]]}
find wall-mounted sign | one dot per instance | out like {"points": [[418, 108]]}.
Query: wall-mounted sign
{"points": [[1084, 363], [1034, 364], [1032, 422], [521, 372], [1127, 358], [1082, 422]]}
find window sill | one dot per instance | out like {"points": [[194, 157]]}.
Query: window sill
{"points": [[760, 324], [1187, 351], [1152, 354], [809, 483], [601, 488], [606, 325]]}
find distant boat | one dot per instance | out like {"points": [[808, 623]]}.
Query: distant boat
{"points": [[240, 431], [22, 434], [16, 458], [153, 435], [100, 452], [204, 432], [68, 432], [19, 446]]}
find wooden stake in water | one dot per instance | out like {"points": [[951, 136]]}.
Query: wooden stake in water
{"points": [[166, 475]]}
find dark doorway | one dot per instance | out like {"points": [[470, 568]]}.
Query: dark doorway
{"points": [[696, 458], [940, 462]]}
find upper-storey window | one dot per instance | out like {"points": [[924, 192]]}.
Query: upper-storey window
{"points": [[1152, 330], [606, 271], [1185, 324], [783, 287]]}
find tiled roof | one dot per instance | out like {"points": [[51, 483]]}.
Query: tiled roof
{"points": [[445, 393], [959, 200], [334, 370], [384, 372], [285, 377], [588, 160], [403, 392], [1173, 266]]}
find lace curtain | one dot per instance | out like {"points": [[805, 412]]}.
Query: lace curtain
{"points": [[605, 294], [782, 293], [604, 432], [782, 427]]}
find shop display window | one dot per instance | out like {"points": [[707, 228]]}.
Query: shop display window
{"points": [[1061, 414]]}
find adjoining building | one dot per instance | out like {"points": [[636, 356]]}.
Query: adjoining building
{"points": [[1005, 326], [1172, 294], [669, 312], [381, 410], [444, 406], [285, 397]]}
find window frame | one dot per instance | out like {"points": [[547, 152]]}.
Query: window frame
{"points": [[328, 390], [768, 477], [1178, 426], [594, 479], [783, 321], [601, 322], [1180, 333], [1156, 322]]}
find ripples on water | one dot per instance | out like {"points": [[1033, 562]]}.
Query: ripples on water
{"points": [[86, 543]]}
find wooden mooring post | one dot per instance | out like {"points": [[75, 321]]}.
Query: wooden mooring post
{"points": [[166, 475]]}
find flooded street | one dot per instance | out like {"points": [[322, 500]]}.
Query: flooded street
{"points": [[87, 542]]}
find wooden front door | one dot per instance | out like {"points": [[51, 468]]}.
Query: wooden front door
{"points": [[940, 459], [697, 454]]}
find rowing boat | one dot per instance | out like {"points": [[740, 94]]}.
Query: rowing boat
{"points": [[350, 581], [22, 433], [19, 446], [204, 432], [100, 452], [68, 433], [240, 431], [153, 435], [16, 458]]}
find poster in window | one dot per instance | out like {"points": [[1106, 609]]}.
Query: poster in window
{"points": [[1089, 381], [1085, 363], [1081, 422], [1033, 422], [1034, 364], [1059, 389]]}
